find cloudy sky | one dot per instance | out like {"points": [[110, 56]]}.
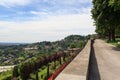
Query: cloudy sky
{"points": [[44, 20]]}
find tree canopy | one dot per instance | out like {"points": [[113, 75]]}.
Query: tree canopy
{"points": [[106, 15]]}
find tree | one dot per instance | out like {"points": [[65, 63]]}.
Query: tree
{"points": [[72, 45], [37, 78], [48, 70], [115, 4], [104, 14], [15, 71], [24, 71]]}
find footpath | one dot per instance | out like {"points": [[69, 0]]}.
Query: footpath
{"points": [[99, 61], [108, 60]]}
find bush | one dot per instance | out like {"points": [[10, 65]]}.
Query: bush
{"points": [[118, 45]]}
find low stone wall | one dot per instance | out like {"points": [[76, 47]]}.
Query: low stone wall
{"points": [[78, 68]]}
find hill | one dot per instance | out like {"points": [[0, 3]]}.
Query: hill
{"points": [[16, 53]]}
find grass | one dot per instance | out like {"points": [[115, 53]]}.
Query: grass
{"points": [[6, 75], [42, 73], [115, 43]]}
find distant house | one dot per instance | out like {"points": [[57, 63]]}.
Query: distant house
{"points": [[5, 68], [72, 49], [30, 48]]}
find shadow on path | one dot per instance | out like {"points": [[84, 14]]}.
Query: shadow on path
{"points": [[116, 48], [93, 72]]}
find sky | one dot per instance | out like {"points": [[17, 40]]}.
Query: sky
{"points": [[44, 20]]}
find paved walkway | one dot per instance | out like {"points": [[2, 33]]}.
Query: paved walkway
{"points": [[108, 60], [104, 63], [77, 69]]}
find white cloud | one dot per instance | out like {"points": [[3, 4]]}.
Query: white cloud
{"points": [[86, 10], [12, 3], [65, 11], [84, 1], [68, 2], [53, 28], [38, 13], [48, 22]]}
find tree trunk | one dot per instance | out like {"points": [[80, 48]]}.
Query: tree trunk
{"points": [[60, 61], [113, 34], [37, 75], [54, 64], [47, 70], [109, 36]]}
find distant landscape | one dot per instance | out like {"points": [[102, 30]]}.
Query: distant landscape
{"points": [[40, 38], [10, 44], [14, 53], [21, 55]]}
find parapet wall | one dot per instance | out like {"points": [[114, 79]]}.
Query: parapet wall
{"points": [[78, 68]]}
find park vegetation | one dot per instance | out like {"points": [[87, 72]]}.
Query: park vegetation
{"points": [[38, 61]]}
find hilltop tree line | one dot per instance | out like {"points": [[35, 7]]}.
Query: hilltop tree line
{"points": [[106, 15]]}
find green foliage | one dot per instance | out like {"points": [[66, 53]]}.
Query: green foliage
{"points": [[72, 45], [115, 4], [106, 17], [80, 44], [7, 75], [24, 73], [15, 71], [115, 43], [118, 45]]}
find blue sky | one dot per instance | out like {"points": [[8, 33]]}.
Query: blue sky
{"points": [[39, 20]]}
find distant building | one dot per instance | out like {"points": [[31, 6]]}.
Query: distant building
{"points": [[30, 48]]}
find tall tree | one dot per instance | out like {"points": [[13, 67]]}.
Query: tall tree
{"points": [[106, 17]]}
